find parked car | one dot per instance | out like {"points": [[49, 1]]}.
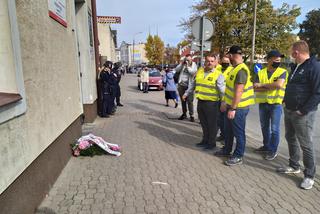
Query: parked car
{"points": [[155, 80]]}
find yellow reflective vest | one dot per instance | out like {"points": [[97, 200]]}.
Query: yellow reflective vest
{"points": [[271, 96], [247, 97], [226, 72], [206, 87]]}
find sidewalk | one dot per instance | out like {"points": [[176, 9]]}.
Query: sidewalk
{"points": [[161, 170]]}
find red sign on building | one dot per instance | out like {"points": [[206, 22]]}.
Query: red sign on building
{"points": [[109, 19]]}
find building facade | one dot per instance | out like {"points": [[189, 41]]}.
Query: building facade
{"points": [[48, 65], [107, 42]]}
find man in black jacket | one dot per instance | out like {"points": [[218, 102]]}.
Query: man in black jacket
{"points": [[301, 102]]}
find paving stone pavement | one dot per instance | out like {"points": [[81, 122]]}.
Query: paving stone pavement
{"points": [[161, 170]]}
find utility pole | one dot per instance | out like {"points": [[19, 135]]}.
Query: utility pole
{"points": [[254, 32]]}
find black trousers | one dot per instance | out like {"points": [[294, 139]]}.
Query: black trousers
{"points": [[208, 115]]}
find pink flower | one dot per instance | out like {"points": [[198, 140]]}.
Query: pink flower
{"points": [[84, 145], [76, 152], [115, 148]]}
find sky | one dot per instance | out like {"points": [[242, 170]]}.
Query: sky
{"points": [[139, 17]]}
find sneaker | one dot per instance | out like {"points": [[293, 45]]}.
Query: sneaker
{"points": [[182, 117], [262, 149], [191, 119], [176, 105], [307, 183], [220, 138], [232, 161], [201, 144], [270, 156], [288, 170], [221, 153]]}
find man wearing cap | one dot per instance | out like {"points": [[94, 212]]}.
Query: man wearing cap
{"points": [[270, 84], [239, 95], [301, 103]]}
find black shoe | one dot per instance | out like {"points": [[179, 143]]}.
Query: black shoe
{"points": [[232, 161], [182, 117], [176, 105], [201, 144], [221, 153], [191, 119], [209, 147], [261, 149], [167, 105], [220, 138]]}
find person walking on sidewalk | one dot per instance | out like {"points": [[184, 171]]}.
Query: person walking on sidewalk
{"points": [[209, 87], [269, 85], [170, 88], [145, 79], [186, 71], [225, 67], [301, 102], [239, 95]]}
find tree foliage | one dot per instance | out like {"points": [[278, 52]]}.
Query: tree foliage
{"points": [[171, 55], [234, 24], [310, 31], [154, 49]]}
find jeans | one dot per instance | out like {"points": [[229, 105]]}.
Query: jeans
{"points": [[221, 116], [270, 116], [298, 134], [236, 128], [189, 100], [145, 86], [207, 112]]}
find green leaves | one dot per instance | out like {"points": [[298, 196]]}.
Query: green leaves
{"points": [[154, 50], [234, 24], [310, 31]]}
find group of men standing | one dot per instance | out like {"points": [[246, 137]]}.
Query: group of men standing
{"points": [[109, 88], [225, 92]]}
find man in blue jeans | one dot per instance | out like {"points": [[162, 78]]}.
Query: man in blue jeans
{"points": [[301, 101], [269, 86], [239, 95]]}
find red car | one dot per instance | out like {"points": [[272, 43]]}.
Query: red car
{"points": [[155, 80]]}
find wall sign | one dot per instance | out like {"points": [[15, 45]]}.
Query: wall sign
{"points": [[109, 19], [57, 11]]}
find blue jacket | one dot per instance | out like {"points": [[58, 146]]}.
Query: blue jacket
{"points": [[169, 82], [303, 88]]}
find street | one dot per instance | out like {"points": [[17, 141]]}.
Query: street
{"points": [[161, 170], [254, 131]]}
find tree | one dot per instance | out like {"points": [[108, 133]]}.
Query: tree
{"points": [[234, 24], [171, 55], [310, 31], [154, 50]]}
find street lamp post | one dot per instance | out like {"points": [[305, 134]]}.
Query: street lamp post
{"points": [[133, 47], [254, 31]]}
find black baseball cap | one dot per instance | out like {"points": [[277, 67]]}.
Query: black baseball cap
{"points": [[274, 53], [235, 50]]}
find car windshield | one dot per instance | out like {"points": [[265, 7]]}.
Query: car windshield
{"points": [[154, 73]]}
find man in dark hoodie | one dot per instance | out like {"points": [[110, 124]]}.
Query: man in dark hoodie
{"points": [[301, 101]]}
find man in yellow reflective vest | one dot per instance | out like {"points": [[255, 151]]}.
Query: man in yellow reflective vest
{"points": [[225, 67], [239, 95], [209, 88], [270, 84]]}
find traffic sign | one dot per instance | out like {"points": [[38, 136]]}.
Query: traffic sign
{"points": [[208, 29], [196, 46]]}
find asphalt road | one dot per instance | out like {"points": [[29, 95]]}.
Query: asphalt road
{"points": [[254, 131]]}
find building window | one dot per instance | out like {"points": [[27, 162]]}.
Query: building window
{"points": [[12, 94]]}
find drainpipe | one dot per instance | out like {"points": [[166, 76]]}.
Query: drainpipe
{"points": [[95, 34]]}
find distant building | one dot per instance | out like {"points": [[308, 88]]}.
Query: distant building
{"points": [[125, 53], [107, 42]]}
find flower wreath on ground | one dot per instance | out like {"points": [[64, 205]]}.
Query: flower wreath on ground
{"points": [[90, 145]]}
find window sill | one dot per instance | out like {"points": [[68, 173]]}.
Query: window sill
{"points": [[8, 98]]}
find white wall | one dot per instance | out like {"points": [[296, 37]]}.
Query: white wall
{"points": [[107, 48], [87, 57], [52, 86]]}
